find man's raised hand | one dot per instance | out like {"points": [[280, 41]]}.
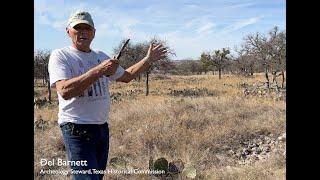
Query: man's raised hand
{"points": [[155, 53]]}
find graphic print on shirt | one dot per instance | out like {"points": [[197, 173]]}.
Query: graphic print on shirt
{"points": [[98, 89], [101, 80], [81, 70], [91, 64], [99, 85], [95, 88]]}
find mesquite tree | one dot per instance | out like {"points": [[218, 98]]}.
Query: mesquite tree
{"points": [[220, 59], [205, 62], [40, 64], [268, 51], [135, 52]]}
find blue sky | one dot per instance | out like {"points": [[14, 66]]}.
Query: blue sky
{"points": [[190, 26]]}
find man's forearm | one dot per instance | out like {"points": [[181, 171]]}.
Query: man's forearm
{"points": [[134, 70], [77, 85]]}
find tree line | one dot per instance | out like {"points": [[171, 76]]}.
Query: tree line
{"points": [[258, 53]]}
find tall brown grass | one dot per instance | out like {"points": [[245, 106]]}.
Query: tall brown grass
{"points": [[195, 129]]}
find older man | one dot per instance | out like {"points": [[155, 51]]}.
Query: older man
{"points": [[81, 76]]}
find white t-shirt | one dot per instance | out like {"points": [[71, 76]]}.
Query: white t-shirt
{"points": [[92, 106]]}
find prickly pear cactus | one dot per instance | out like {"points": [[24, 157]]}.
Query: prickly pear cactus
{"points": [[118, 163], [161, 164]]}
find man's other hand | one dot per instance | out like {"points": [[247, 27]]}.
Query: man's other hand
{"points": [[155, 53]]}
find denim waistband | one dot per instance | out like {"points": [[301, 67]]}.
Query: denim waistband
{"points": [[84, 125]]}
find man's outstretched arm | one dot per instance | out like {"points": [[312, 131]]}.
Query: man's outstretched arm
{"points": [[154, 53]]}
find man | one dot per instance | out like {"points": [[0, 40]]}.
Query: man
{"points": [[81, 76]]}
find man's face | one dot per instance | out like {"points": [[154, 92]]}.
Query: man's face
{"points": [[81, 36]]}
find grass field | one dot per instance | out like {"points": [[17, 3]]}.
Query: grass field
{"points": [[205, 122]]}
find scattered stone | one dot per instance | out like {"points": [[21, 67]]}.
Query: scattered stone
{"points": [[231, 152], [176, 167], [189, 171], [258, 148], [282, 138]]}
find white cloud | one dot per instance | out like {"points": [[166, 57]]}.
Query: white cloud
{"points": [[45, 20], [125, 23], [59, 24], [238, 6], [246, 22], [191, 7], [149, 9], [202, 24], [104, 30], [241, 23], [206, 28], [193, 46], [157, 10], [190, 29]]}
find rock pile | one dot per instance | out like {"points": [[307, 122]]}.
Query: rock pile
{"points": [[259, 148], [193, 92]]}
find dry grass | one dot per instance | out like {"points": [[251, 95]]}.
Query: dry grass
{"points": [[192, 128], [273, 169]]}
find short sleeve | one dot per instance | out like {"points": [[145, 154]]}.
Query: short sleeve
{"points": [[117, 74], [58, 68]]}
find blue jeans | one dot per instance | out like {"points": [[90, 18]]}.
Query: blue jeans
{"points": [[86, 142]]}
